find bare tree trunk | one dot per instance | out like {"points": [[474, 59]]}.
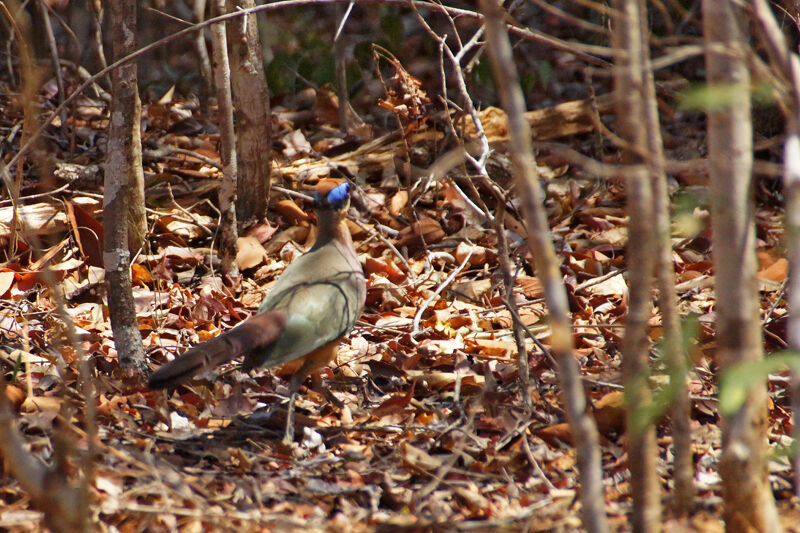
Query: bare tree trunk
{"points": [[748, 502], [51, 44], [32, 78], [253, 131], [341, 67], [123, 173], [97, 34], [48, 487], [677, 362], [207, 89], [227, 193], [63, 505], [630, 50], [788, 64], [124, 24], [582, 425]]}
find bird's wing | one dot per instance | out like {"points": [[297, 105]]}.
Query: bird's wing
{"points": [[321, 294]]}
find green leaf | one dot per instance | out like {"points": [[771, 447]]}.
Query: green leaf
{"points": [[736, 382], [651, 412], [704, 97], [392, 28]]}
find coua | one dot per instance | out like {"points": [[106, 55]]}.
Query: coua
{"points": [[314, 303]]}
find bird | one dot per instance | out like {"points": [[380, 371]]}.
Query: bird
{"points": [[305, 315]]}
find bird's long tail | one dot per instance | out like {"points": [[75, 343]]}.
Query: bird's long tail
{"points": [[258, 331]]}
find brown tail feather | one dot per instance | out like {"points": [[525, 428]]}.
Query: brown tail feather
{"points": [[256, 332]]}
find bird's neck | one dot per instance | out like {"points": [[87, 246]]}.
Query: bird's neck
{"points": [[332, 225]]}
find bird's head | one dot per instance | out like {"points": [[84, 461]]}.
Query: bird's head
{"points": [[332, 195]]}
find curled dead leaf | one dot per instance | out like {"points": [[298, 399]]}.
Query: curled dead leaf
{"points": [[292, 212], [395, 403], [777, 271], [385, 294], [398, 203], [6, 280], [422, 232], [418, 458], [555, 435], [529, 286], [609, 411], [32, 404], [474, 291], [250, 252], [383, 267], [477, 254], [15, 396], [472, 497]]}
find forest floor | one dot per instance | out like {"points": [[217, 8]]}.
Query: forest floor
{"points": [[420, 424]]}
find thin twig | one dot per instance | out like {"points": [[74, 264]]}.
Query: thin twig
{"points": [[341, 68], [415, 330], [51, 43], [37, 196]]}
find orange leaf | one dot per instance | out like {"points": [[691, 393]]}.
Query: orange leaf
{"points": [[398, 202], [425, 231], [777, 271], [140, 275], [610, 413], [250, 253], [395, 403], [555, 435], [6, 281], [15, 396], [292, 212]]}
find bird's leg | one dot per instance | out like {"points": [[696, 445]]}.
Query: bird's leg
{"points": [[294, 385], [316, 359]]}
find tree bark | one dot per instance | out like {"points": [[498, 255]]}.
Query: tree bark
{"points": [[124, 28], [630, 50], [123, 174], [748, 502], [253, 131], [207, 88], [227, 140], [64, 506], [582, 425], [682, 500], [788, 64]]}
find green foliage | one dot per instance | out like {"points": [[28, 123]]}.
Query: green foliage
{"points": [[736, 382], [315, 64], [279, 73], [528, 81], [704, 97], [544, 71], [647, 414], [311, 55], [362, 52], [17, 368], [482, 73], [688, 212], [392, 27], [539, 78]]}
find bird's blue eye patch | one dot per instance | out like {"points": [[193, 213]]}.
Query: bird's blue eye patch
{"points": [[338, 195], [336, 198]]}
